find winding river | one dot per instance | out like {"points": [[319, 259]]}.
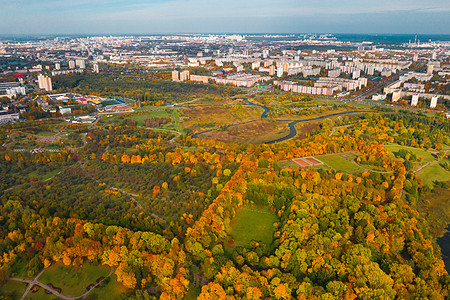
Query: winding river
{"points": [[291, 125], [293, 131]]}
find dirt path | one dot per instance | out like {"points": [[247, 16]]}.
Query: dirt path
{"points": [[337, 128], [168, 130], [35, 281], [425, 165], [30, 283]]}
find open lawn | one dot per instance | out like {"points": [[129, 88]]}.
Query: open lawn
{"points": [[193, 293], [44, 176], [13, 289], [176, 119], [287, 164], [46, 133], [253, 223], [434, 172], [73, 281], [339, 163], [110, 289], [40, 295], [138, 117], [427, 156], [19, 270]]}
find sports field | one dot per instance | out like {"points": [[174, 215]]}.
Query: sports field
{"points": [[253, 223]]}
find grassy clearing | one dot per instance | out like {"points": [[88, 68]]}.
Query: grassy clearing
{"points": [[253, 223], [434, 172], [44, 176], [13, 289], [19, 270], [193, 293], [176, 119], [435, 207], [46, 133], [111, 290], [73, 281], [287, 164], [139, 118], [427, 156], [339, 163], [40, 295]]}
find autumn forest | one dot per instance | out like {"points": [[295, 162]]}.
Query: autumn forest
{"points": [[135, 206]]}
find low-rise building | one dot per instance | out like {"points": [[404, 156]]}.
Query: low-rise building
{"points": [[9, 116], [65, 110]]}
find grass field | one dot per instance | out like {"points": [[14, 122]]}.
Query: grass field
{"points": [[19, 270], [434, 172], [427, 156], [40, 295], [287, 164], [139, 118], [44, 176], [73, 281], [253, 223], [46, 133], [111, 290], [339, 163], [176, 119], [13, 289]]}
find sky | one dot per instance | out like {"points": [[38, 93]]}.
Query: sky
{"points": [[223, 16]]}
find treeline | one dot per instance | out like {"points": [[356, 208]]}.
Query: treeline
{"points": [[156, 122], [133, 87], [326, 245]]}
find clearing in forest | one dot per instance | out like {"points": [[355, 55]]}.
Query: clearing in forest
{"points": [[73, 281], [253, 223], [434, 172], [337, 162]]}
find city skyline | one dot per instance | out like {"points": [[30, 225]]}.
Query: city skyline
{"points": [[179, 16]]}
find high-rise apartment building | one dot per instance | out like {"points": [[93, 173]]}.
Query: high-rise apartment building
{"points": [[272, 70], [280, 72], [45, 82], [184, 75], [175, 76], [433, 102], [415, 100], [80, 63]]}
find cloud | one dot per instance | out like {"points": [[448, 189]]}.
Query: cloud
{"points": [[212, 15]]}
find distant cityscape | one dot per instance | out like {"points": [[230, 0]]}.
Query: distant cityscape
{"points": [[414, 73]]}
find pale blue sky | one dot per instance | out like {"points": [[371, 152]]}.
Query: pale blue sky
{"points": [[255, 16]]}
